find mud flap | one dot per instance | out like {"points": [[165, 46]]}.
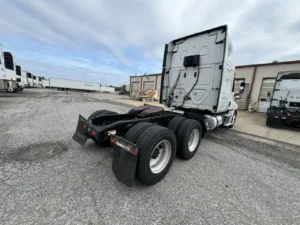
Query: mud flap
{"points": [[124, 160], [79, 135]]}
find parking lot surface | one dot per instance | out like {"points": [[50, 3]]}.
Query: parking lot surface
{"points": [[47, 178]]}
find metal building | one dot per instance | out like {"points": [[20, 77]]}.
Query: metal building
{"points": [[144, 82], [259, 82]]}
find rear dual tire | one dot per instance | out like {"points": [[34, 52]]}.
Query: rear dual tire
{"points": [[188, 135], [188, 138], [157, 149], [137, 130], [157, 146]]}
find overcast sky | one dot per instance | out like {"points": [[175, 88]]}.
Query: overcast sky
{"points": [[106, 41]]}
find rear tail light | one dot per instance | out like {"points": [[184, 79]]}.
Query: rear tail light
{"points": [[84, 126], [113, 141], [94, 133]]}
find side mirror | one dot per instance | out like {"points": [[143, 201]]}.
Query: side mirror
{"points": [[242, 87]]}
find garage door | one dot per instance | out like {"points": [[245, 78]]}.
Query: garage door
{"points": [[265, 94], [135, 86], [148, 85]]}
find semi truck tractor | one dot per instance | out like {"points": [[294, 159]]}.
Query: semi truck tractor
{"points": [[19, 83], [285, 103], [35, 80], [40, 81], [24, 78], [198, 90], [29, 79], [45, 83], [7, 71]]}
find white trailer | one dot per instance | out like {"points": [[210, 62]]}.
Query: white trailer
{"points": [[65, 84], [7, 71], [45, 83], [105, 89], [24, 78]]}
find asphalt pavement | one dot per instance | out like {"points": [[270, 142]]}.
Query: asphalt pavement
{"points": [[47, 178]]}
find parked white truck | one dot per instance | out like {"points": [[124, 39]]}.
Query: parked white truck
{"points": [[198, 87], [7, 71], [40, 81], [29, 79], [45, 83], [19, 82], [285, 103], [24, 78], [35, 80]]}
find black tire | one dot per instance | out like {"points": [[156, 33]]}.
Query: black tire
{"points": [[106, 142], [183, 136], [136, 131], [131, 111], [235, 113], [175, 123], [101, 113], [146, 145]]}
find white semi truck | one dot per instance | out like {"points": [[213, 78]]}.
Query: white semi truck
{"points": [[35, 80], [285, 103], [19, 83], [24, 78], [40, 81], [7, 71], [198, 88], [29, 79], [45, 83]]}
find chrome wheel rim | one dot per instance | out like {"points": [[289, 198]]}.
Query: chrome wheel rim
{"points": [[160, 156], [193, 140]]}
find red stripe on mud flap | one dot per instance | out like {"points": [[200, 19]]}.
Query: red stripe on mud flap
{"points": [[127, 146]]}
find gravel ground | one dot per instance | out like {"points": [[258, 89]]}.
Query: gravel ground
{"points": [[46, 178]]}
